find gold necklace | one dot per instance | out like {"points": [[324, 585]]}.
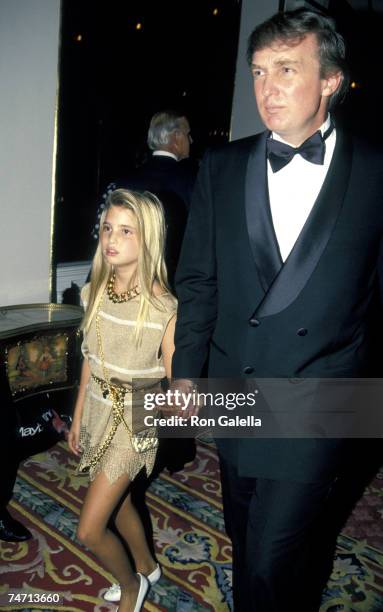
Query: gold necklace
{"points": [[118, 298]]}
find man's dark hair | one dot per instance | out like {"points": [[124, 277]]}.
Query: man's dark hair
{"points": [[291, 28]]}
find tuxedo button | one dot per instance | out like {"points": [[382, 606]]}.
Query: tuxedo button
{"points": [[302, 331], [248, 370], [254, 322]]}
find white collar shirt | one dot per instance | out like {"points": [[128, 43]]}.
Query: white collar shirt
{"points": [[293, 191], [160, 153]]}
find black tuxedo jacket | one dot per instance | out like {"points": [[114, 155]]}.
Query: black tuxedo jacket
{"points": [[314, 316]]}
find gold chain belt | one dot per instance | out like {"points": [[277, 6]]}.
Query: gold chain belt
{"points": [[117, 395], [141, 441]]}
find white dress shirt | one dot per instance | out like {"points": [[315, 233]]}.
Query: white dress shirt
{"points": [[161, 153], [293, 191]]}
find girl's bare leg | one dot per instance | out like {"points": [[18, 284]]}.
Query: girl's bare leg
{"points": [[101, 499], [129, 525]]}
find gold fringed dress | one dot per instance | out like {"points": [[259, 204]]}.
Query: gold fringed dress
{"points": [[124, 361]]}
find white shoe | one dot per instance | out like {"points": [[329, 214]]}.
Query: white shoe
{"points": [[113, 594], [144, 588], [142, 591], [155, 575]]}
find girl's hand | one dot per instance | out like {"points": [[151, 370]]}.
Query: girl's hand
{"points": [[74, 438]]}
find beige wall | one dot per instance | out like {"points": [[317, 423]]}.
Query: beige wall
{"points": [[245, 119], [29, 46]]}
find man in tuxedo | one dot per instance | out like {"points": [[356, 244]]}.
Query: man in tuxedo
{"points": [[278, 278], [170, 176]]}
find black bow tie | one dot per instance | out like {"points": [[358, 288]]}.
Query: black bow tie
{"points": [[313, 150]]}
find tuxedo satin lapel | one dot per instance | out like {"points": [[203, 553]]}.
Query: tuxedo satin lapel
{"points": [[314, 236], [263, 241]]}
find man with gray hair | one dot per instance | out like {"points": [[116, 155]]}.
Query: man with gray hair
{"points": [[168, 174], [169, 135]]}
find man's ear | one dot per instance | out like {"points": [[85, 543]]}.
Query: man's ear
{"points": [[177, 136], [175, 141], [331, 83]]}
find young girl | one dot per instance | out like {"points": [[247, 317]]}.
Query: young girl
{"points": [[128, 332]]}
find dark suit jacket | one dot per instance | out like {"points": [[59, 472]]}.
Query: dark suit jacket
{"points": [[165, 174], [237, 299], [172, 182]]}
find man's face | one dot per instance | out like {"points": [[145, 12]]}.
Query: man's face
{"points": [[183, 139], [290, 93]]}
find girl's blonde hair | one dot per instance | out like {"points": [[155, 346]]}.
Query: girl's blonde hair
{"points": [[149, 214]]}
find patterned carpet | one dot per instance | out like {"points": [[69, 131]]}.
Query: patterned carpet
{"points": [[190, 540]]}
